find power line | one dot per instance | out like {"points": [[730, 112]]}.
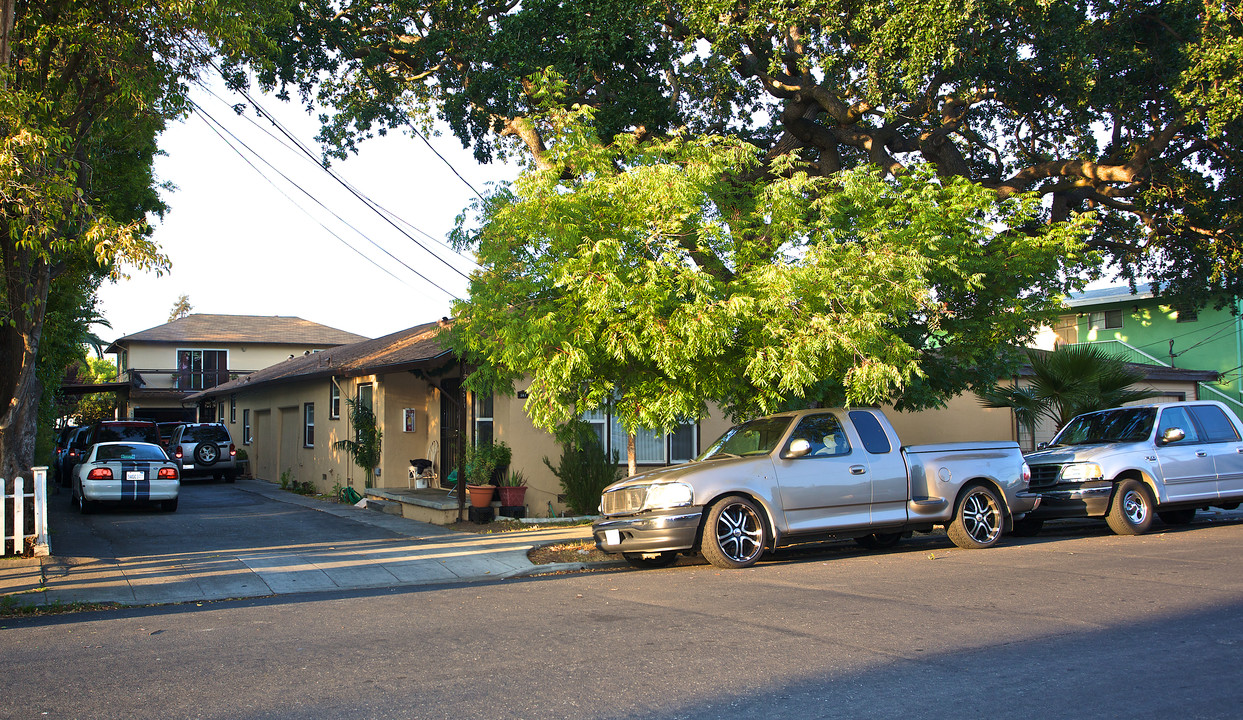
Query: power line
{"points": [[198, 108]]}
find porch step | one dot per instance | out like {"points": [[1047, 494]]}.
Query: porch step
{"points": [[384, 506], [426, 505]]}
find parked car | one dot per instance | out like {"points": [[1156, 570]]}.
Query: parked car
{"points": [[809, 475], [108, 431], [59, 450], [166, 431], [1125, 464], [205, 449], [126, 472]]}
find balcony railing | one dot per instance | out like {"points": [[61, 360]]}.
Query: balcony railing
{"points": [[184, 380]]}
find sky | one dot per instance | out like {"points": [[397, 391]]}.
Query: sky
{"points": [[239, 245]]}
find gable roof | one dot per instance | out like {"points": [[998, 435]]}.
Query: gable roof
{"points": [[1104, 296], [399, 351], [248, 329]]}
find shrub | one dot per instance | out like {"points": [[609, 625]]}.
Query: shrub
{"points": [[584, 470]]}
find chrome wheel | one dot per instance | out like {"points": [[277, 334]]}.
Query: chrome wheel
{"points": [[978, 520], [735, 535], [1134, 507], [1130, 512]]}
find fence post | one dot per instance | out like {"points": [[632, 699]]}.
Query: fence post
{"points": [[42, 548], [19, 515], [4, 516]]}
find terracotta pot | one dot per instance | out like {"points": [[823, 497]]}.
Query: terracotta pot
{"points": [[512, 496], [480, 495]]}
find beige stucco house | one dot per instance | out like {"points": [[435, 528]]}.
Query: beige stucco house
{"points": [[163, 365], [290, 415]]}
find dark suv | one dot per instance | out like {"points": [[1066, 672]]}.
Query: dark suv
{"points": [[105, 431], [204, 449]]}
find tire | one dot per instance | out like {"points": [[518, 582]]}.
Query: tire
{"points": [[230, 477], [978, 519], [735, 535], [879, 541], [1027, 527], [1130, 511], [169, 505], [206, 453], [652, 561], [1177, 517], [85, 507]]}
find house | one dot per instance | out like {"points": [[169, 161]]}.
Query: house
{"points": [[1143, 328], [161, 366], [289, 417]]}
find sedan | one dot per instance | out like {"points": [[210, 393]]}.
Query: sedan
{"points": [[126, 472]]}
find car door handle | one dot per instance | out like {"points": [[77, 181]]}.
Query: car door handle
{"points": [[1239, 450], [857, 469], [1201, 453]]}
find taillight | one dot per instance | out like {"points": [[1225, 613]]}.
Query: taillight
{"points": [[167, 474], [100, 474], [178, 452], [232, 449], [1027, 474]]}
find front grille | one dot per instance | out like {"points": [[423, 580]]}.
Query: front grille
{"points": [[623, 501], [1045, 475]]}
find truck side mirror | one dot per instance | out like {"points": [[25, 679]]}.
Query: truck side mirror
{"points": [[798, 448], [1172, 435], [1042, 446]]}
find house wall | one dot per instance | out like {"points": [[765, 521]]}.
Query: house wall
{"points": [[963, 419], [243, 358]]}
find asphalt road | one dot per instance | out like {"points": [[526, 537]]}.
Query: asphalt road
{"points": [[1074, 623]]}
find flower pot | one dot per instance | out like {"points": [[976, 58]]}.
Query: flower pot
{"points": [[480, 495], [511, 496]]}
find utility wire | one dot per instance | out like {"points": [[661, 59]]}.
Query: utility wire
{"points": [[198, 108], [362, 198], [306, 156]]}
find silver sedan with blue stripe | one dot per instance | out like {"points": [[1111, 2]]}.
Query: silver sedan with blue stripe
{"points": [[126, 472]]}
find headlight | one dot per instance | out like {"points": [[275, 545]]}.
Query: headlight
{"points": [[668, 495], [1079, 472]]}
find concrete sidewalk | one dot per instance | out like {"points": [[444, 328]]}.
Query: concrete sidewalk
{"points": [[424, 554]]}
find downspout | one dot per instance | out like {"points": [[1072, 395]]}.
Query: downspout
{"points": [[1238, 352]]}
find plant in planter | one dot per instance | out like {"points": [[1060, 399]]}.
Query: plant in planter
{"points": [[365, 447], [512, 488], [480, 466]]}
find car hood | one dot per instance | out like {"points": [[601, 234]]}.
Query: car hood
{"points": [[685, 471], [1082, 453]]}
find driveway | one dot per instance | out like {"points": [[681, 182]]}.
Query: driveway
{"points": [[252, 539]]}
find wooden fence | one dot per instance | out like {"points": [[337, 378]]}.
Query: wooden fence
{"points": [[13, 516]]}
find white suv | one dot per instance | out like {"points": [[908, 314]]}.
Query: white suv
{"points": [[204, 449]]}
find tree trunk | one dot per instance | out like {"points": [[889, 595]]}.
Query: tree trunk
{"points": [[26, 291], [630, 464]]}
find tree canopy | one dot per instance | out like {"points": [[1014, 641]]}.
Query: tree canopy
{"points": [[1131, 109]]}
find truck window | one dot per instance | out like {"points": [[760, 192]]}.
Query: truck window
{"points": [[1178, 418], [825, 433], [1217, 427], [875, 441]]}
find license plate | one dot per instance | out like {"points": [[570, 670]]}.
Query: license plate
{"points": [[612, 537], [135, 475], [187, 467]]}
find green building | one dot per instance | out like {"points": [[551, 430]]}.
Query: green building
{"points": [[1142, 328]]}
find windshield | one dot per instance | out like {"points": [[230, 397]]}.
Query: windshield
{"points": [[1110, 426], [758, 437]]}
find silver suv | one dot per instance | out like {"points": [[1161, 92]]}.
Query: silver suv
{"points": [[204, 449]]}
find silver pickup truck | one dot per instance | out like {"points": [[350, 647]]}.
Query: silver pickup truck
{"points": [[1124, 464], [809, 475]]}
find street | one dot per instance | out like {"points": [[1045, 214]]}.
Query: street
{"points": [[1074, 623]]}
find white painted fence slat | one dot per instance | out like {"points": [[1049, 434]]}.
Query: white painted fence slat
{"points": [[14, 542]]}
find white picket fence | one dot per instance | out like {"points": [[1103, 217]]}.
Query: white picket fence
{"points": [[13, 533]]}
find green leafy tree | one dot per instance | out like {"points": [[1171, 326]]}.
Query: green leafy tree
{"points": [[1067, 382], [86, 89], [181, 308], [655, 284], [1132, 110]]}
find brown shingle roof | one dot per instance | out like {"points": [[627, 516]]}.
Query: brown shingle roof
{"points": [[402, 350], [250, 329]]}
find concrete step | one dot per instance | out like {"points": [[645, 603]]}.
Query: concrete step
{"points": [[384, 506]]}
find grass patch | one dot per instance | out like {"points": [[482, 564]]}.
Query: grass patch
{"points": [[506, 525], [570, 552], [12, 606]]}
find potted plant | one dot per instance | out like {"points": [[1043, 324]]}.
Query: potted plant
{"points": [[512, 489], [480, 464]]}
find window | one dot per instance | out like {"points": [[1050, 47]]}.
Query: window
{"points": [[233, 408], [1176, 417], [1217, 427], [1186, 316], [1067, 329], [875, 441], [308, 425], [1107, 320], [334, 399], [484, 425], [825, 434], [650, 448], [365, 394], [201, 369], [245, 426]]}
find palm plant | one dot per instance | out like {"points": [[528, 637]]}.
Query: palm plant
{"points": [[1067, 382], [365, 447]]}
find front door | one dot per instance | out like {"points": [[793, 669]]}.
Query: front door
{"points": [[830, 487], [1186, 465], [450, 417]]}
